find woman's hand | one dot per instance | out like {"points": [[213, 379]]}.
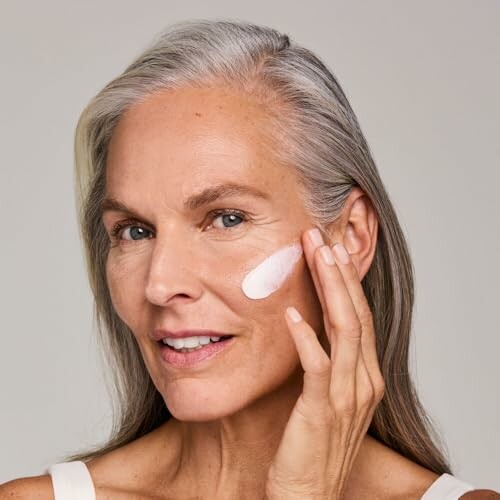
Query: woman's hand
{"points": [[330, 419]]}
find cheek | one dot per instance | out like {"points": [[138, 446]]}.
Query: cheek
{"points": [[282, 279], [279, 280], [124, 275], [269, 286]]}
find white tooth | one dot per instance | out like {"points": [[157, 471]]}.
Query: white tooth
{"points": [[187, 342], [179, 343], [191, 342], [215, 339]]}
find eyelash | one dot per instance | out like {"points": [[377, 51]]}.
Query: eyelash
{"points": [[119, 226]]}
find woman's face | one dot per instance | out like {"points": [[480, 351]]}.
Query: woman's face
{"points": [[181, 267]]}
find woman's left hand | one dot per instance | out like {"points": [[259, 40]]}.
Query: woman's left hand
{"points": [[332, 415]]}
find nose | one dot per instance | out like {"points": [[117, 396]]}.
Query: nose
{"points": [[172, 274]]}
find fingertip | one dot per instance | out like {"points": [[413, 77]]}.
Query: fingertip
{"points": [[293, 314]]}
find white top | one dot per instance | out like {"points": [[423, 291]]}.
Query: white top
{"points": [[72, 481], [447, 487]]}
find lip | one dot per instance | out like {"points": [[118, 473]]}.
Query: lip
{"points": [[198, 358], [161, 333]]}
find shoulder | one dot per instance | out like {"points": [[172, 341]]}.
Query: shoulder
{"points": [[390, 474], [481, 495], [136, 466], [34, 488]]}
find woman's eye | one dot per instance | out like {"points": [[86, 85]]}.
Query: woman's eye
{"points": [[136, 232], [129, 232], [228, 219]]}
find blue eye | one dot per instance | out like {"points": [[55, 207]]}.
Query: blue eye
{"points": [[229, 217], [135, 231]]}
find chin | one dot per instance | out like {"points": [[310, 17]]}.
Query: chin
{"points": [[196, 403], [189, 410]]}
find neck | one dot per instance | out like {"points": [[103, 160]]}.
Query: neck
{"points": [[233, 453]]}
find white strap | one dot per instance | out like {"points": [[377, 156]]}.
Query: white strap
{"points": [[72, 481], [447, 487]]}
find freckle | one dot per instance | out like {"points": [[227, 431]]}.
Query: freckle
{"points": [[198, 114]]}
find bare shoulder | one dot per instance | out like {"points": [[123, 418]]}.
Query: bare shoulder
{"points": [[383, 473], [398, 478], [481, 495], [131, 471], [35, 488]]}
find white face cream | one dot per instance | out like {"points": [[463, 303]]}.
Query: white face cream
{"points": [[270, 274]]}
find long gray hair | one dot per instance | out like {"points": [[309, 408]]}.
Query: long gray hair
{"points": [[317, 133]]}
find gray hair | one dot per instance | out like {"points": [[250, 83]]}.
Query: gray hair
{"points": [[318, 135]]}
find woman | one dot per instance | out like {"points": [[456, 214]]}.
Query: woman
{"points": [[200, 172]]}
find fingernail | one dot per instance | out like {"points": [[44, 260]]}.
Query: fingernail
{"points": [[293, 314], [341, 253], [326, 253], [315, 237]]}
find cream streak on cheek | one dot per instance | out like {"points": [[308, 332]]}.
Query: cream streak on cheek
{"points": [[271, 273]]}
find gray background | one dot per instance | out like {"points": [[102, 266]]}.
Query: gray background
{"points": [[423, 78]]}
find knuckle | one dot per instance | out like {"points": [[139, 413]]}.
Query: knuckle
{"points": [[367, 395], [321, 366], [345, 405]]}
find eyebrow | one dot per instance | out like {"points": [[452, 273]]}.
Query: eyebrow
{"points": [[195, 201]]}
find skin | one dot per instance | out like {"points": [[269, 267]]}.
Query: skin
{"points": [[186, 272]]}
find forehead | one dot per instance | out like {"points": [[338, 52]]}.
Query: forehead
{"points": [[188, 138]]}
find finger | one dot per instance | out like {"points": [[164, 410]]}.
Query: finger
{"points": [[314, 360], [363, 312], [310, 247], [343, 318]]}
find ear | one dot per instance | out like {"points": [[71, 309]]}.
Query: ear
{"points": [[357, 229]]}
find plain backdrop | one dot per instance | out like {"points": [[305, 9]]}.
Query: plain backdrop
{"points": [[423, 78]]}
